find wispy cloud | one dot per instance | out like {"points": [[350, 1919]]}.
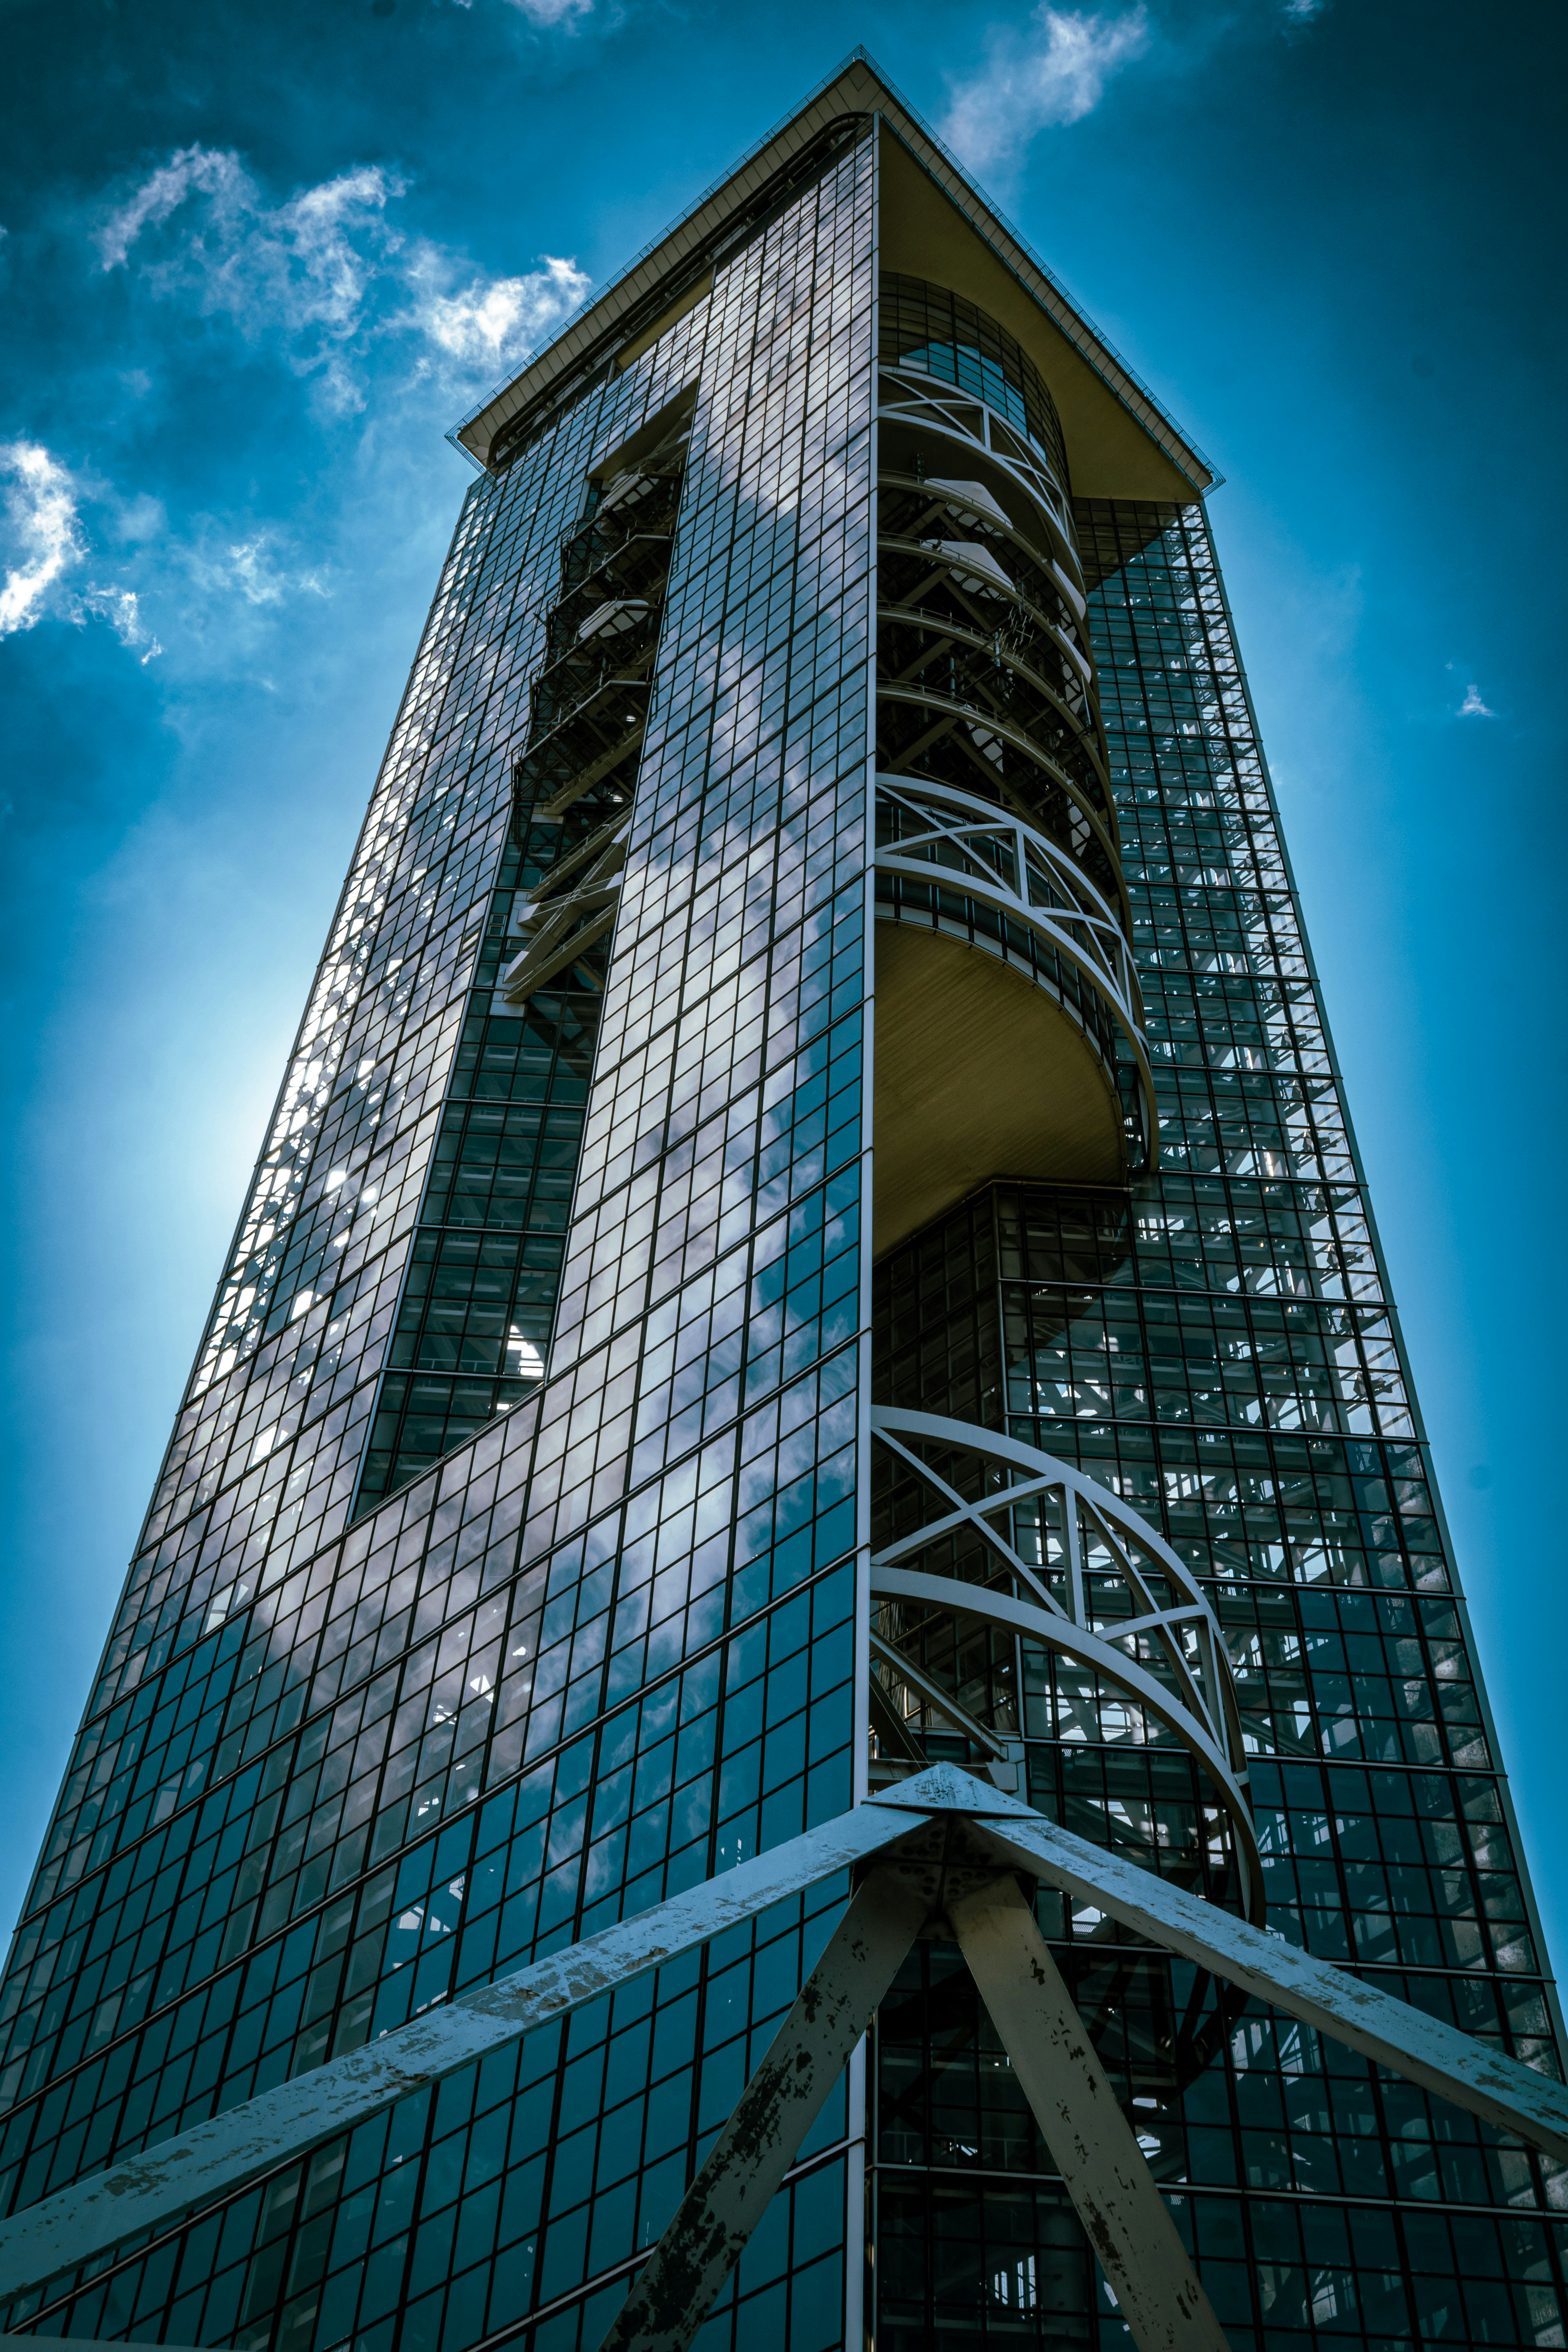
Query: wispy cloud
{"points": [[330, 283], [42, 531], [257, 568], [494, 317], [122, 608], [327, 273], [1052, 73], [547, 12], [45, 544], [1473, 707]]}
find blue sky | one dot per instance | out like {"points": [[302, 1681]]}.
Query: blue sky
{"points": [[256, 260]]}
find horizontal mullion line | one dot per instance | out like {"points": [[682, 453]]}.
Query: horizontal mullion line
{"points": [[200, 2213], [470, 1806], [374, 1672], [1210, 2189], [1380, 1305]]}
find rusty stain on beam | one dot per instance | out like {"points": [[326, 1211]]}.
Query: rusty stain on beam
{"points": [[180, 2175], [138, 2192], [747, 2163], [1439, 2058], [1091, 2140]]}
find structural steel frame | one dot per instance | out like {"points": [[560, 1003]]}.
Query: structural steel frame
{"points": [[944, 1848], [907, 395], [964, 848], [1192, 1697]]}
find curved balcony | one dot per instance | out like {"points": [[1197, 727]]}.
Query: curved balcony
{"points": [[985, 673], [928, 540], [922, 403], [1009, 1025], [973, 1527], [968, 711]]}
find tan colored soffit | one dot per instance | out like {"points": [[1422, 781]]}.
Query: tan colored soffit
{"points": [[1113, 450], [1078, 353]]}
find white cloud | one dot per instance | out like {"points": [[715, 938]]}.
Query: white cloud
{"points": [[1473, 707], [546, 12], [43, 534], [257, 567], [255, 571], [1054, 73], [203, 170], [122, 608], [307, 269], [491, 319], [46, 541], [326, 274], [1301, 12]]}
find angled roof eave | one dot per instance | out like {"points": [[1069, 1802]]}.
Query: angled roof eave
{"points": [[611, 318]]}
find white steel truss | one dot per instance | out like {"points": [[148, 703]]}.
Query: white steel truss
{"points": [[970, 855], [909, 396], [943, 1849], [1052, 1557]]}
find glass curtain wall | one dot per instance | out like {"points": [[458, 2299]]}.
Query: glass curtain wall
{"points": [[609, 1643], [1218, 1347], [500, 1579]]}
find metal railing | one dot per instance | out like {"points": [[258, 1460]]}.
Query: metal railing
{"points": [[912, 398], [1013, 1537], [958, 865]]}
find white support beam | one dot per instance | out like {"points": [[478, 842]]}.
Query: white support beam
{"points": [[1091, 2140], [747, 2163], [179, 2175], [1439, 2057], [143, 2192]]}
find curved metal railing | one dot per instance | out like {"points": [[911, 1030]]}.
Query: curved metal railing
{"points": [[958, 865], [907, 396], [985, 673], [985, 1527]]}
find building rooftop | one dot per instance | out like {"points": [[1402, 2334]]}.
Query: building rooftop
{"points": [[1121, 442]]}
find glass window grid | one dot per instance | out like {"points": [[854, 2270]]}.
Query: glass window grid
{"points": [[473, 1326], [690, 1560], [1168, 1350], [932, 329], [263, 1462]]}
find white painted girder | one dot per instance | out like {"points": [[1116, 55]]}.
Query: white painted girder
{"points": [[746, 2164], [143, 2192], [140, 2192], [1091, 2142], [1439, 2057]]}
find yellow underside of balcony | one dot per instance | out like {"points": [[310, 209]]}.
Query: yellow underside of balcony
{"points": [[979, 1074]]}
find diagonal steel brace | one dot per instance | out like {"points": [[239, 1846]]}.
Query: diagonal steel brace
{"points": [[180, 2175], [748, 2161], [139, 2193], [1091, 2142]]}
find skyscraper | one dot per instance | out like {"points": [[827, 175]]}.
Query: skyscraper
{"points": [[810, 1234]]}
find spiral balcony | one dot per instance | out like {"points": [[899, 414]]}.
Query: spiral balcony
{"points": [[983, 1549], [1009, 1025], [984, 677]]}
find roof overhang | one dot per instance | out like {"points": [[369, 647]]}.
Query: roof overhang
{"points": [[935, 224]]}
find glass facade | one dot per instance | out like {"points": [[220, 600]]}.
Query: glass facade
{"points": [[512, 1567], [1217, 1346]]}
